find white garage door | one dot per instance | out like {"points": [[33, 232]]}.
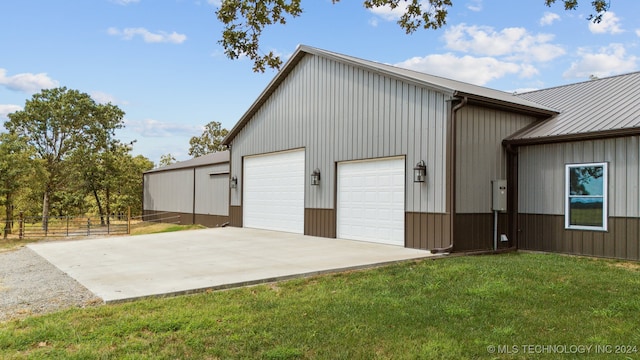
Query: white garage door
{"points": [[274, 192], [371, 201]]}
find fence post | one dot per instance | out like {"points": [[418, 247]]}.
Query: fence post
{"points": [[88, 226], [67, 225], [129, 220], [21, 226]]}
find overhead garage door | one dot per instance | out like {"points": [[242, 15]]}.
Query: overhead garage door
{"points": [[274, 191], [371, 201]]}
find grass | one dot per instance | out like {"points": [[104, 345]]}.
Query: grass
{"points": [[452, 308], [154, 228]]}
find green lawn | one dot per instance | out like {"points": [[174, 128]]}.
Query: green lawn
{"points": [[453, 308]]}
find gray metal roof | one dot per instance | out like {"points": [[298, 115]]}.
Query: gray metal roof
{"points": [[453, 88], [603, 106], [204, 160]]}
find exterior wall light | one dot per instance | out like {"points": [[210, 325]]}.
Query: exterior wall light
{"points": [[234, 182], [315, 177], [420, 172]]}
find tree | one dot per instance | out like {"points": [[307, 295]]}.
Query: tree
{"points": [[56, 123], [16, 165], [210, 140], [244, 21], [166, 159]]}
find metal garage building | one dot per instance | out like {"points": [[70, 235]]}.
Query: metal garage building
{"points": [[189, 192], [337, 146], [363, 127]]}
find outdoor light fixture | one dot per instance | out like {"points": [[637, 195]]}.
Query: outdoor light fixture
{"points": [[420, 172], [234, 182], [315, 177]]}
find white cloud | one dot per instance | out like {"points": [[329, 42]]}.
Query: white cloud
{"points": [[148, 36], [155, 128], [7, 109], [513, 43], [475, 5], [125, 2], [104, 98], [548, 18], [389, 14], [610, 24], [27, 82], [607, 61], [216, 3], [474, 70], [638, 32]]}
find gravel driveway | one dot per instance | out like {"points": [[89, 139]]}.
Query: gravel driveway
{"points": [[30, 285]]}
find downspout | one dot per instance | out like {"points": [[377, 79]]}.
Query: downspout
{"points": [[512, 193], [193, 210], [452, 172]]}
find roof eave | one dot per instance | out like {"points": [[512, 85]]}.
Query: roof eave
{"points": [[595, 135], [538, 112]]}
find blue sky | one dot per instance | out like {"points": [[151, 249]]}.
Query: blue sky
{"points": [[160, 61]]}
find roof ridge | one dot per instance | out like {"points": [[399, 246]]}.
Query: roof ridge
{"points": [[578, 83]]}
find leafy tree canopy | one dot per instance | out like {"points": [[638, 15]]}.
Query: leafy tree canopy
{"points": [[167, 159], [244, 21], [210, 140], [58, 122]]}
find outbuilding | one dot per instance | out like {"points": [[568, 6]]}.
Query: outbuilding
{"points": [[195, 191], [337, 146]]}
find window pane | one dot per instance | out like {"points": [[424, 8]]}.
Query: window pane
{"points": [[586, 211], [586, 180]]}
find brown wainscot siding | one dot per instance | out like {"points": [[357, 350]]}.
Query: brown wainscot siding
{"points": [[427, 230], [547, 233], [475, 231], [320, 222], [169, 217], [235, 218], [211, 220]]}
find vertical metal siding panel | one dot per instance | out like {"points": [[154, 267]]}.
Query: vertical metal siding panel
{"points": [[480, 155], [212, 191], [391, 121], [619, 182], [176, 188], [439, 126], [633, 179], [148, 196], [378, 116]]}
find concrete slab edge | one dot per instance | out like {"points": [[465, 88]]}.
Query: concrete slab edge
{"points": [[272, 279]]}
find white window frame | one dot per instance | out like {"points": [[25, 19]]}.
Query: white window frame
{"points": [[604, 196]]}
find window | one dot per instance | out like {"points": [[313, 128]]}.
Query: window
{"points": [[586, 196]]}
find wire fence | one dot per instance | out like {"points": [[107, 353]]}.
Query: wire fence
{"points": [[37, 227]]}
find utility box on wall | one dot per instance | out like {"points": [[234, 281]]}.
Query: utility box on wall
{"points": [[499, 195]]}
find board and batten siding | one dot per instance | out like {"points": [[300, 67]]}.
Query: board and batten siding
{"points": [[541, 196], [339, 112], [212, 190], [170, 191]]}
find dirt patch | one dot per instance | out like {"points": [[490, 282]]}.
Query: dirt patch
{"points": [[627, 265]]}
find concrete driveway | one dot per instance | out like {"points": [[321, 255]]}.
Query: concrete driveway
{"points": [[125, 268]]}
